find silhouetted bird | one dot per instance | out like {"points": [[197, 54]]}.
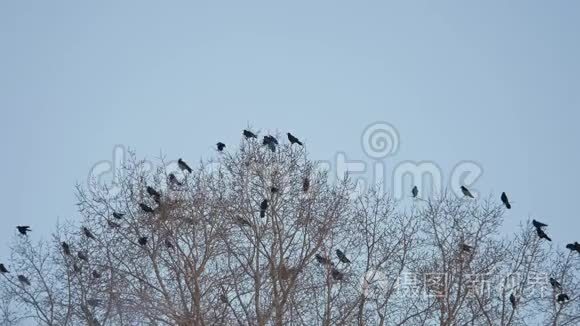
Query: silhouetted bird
{"points": [[220, 146], [538, 224], [294, 140], [87, 233], [23, 229], [505, 200], [96, 274], [82, 256], [118, 215], [173, 180], [574, 246], [249, 134], [542, 234], [465, 247], [563, 298], [305, 184], [271, 142], [143, 241], [3, 269], [466, 192], [263, 207], [146, 208], [152, 192], [513, 300], [337, 275], [323, 260], [415, 192], [23, 279], [113, 224], [555, 284], [183, 166], [342, 257], [65, 248], [274, 189]]}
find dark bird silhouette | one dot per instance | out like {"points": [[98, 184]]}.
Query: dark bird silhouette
{"points": [[146, 208], [23, 279], [82, 256], [513, 300], [293, 140], [274, 190], [113, 224], [65, 248], [87, 233], [342, 257], [152, 192], [574, 246], [466, 248], [542, 234], [143, 241], [220, 146], [415, 192], [118, 215], [323, 260], [96, 274], [466, 192], [3, 269], [183, 166], [562, 298], [271, 142], [305, 184], [337, 275], [505, 201], [555, 284], [248, 134], [173, 180], [538, 224], [23, 229], [263, 207]]}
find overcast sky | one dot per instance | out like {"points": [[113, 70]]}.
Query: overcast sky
{"points": [[493, 82]]}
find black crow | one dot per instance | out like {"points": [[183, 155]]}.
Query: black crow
{"points": [[562, 298], [173, 180], [271, 142], [23, 279], [220, 146], [342, 256], [96, 274], [146, 208], [274, 189], [143, 241], [152, 192], [65, 248], [466, 192], [113, 224], [538, 224], [293, 140], [305, 184], [337, 275], [323, 260], [249, 134], [415, 192], [263, 207], [23, 229], [542, 234], [3, 269], [574, 246], [82, 256], [87, 233], [555, 284], [513, 300], [118, 215], [505, 201], [183, 166]]}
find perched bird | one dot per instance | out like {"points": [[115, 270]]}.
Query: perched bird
{"points": [[183, 166], [271, 142], [305, 184], [65, 248], [342, 257], [274, 190], [96, 274], [505, 201], [562, 298], [23, 229], [263, 207], [466, 248], [248, 134], [220, 146], [152, 192], [87, 233], [142, 241], [293, 140], [574, 246], [82, 256], [118, 215], [555, 284], [23, 279], [173, 180], [3, 269], [146, 208], [415, 192], [323, 260], [542, 234], [538, 224], [337, 275], [466, 192], [113, 224], [513, 300]]}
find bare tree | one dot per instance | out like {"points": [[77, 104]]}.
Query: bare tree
{"points": [[261, 236]]}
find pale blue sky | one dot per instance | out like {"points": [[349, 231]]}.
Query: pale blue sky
{"points": [[497, 82]]}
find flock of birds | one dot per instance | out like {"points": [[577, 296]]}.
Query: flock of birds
{"points": [[271, 143]]}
